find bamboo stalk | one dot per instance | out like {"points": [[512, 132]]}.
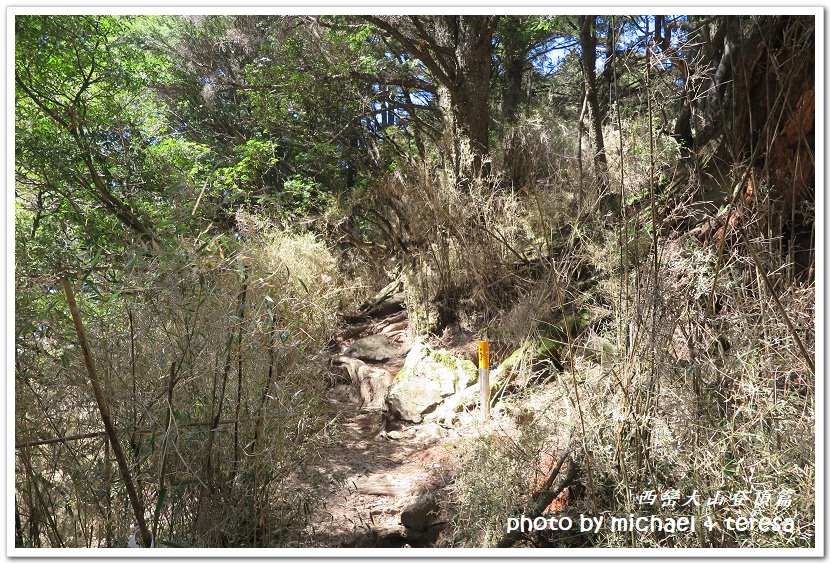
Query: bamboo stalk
{"points": [[104, 410], [225, 372], [162, 490], [242, 301], [272, 341]]}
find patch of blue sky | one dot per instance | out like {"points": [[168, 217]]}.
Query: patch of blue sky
{"points": [[549, 61], [421, 97]]}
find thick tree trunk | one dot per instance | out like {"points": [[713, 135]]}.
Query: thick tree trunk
{"points": [[512, 96], [457, 51], [763, 90], [759, 109], [774, 104], [514, 65], [471, 37]]}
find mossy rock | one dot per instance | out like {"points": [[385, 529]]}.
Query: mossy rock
{"points": [[426, 378]]}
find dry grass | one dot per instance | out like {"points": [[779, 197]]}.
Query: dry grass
{"points": [[704, 402], [668, 391], [242, 488], [464, 240]]}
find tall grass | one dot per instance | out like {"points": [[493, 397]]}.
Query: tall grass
{"points": [[667, 389], [240, 326]]}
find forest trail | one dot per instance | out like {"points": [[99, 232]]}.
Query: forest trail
{"points": [[386, 478], [376, 475]]}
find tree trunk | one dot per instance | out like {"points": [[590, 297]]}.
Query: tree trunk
{"points": [[513, 94], [774, 104], [588, 43], [471, 37], [457, 51]]}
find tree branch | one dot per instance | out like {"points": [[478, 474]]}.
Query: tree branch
{"points": [[548, 493], [414, 48]]}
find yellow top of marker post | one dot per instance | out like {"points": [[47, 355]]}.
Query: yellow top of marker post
{"points": [[484, 354]]}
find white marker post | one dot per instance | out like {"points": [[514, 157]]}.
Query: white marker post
{"points": [[484, 376]]}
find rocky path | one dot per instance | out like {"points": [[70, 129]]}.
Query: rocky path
{"points": [[386, 485], [387, 477]]}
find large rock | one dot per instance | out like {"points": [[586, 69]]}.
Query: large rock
{"points": [[421, 514], [374, 348], [370, 383], [505, 370], [427, 376]]}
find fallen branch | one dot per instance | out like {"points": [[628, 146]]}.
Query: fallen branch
{"points": [[60, 440], [547, 494], [385, 302]]}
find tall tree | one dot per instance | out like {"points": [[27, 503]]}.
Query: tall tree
{"points": [[522, 41], [457, 51], [74, 111], [514, 51], [748, 95]]}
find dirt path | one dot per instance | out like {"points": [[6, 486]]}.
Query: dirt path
{"points": [[386, 479], [377, 475]]}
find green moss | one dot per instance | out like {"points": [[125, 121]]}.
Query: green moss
{"points": [[547, 345], [404, 374], [444, 358], [457, 365], [432, 364]]}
